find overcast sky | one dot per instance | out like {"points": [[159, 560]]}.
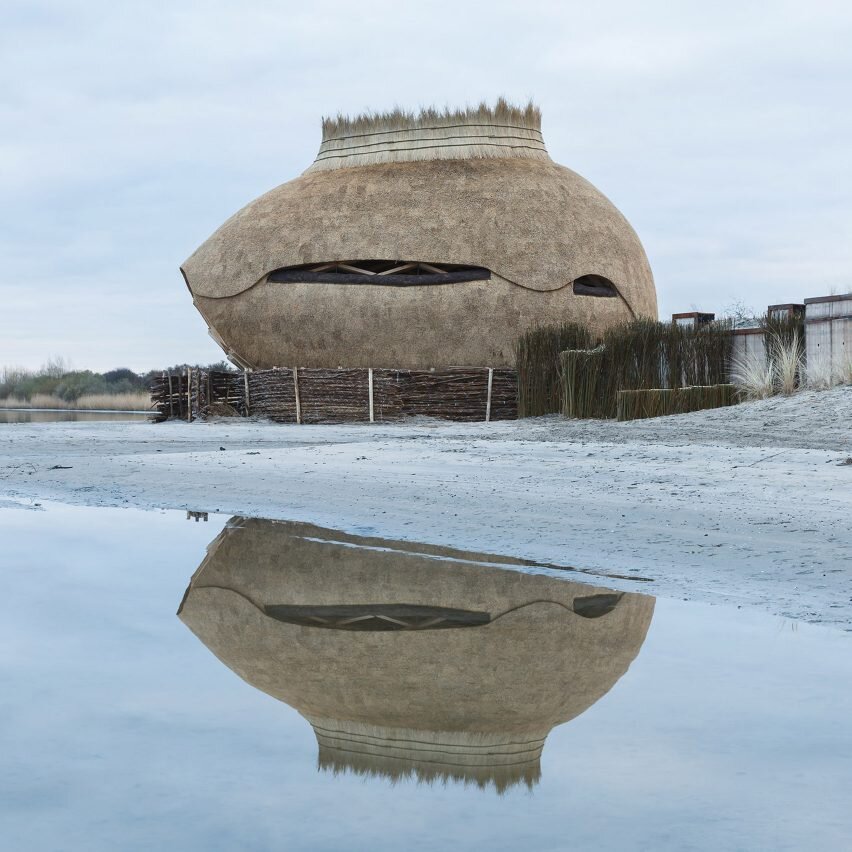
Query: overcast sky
{"points": [[129, 131]]}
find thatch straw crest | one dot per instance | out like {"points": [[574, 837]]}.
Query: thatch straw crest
{"points": [[483, 759], [398, 136]]}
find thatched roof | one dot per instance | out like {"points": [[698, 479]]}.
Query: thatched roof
{"points": [[467, 702], [532, 222], [399, 136]]}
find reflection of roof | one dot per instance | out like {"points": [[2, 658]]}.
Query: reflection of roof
{"points": [[498, 759], [471, 700]]}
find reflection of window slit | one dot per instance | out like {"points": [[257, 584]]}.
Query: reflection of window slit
{"points": [[415, 617], [412, 616]]}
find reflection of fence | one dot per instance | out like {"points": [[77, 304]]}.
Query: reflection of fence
{"points": [[305, 395]]}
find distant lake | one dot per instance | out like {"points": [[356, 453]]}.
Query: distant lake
{"points": [[54, 415]]}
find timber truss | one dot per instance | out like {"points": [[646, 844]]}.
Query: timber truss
{"points": [[394, 273]]}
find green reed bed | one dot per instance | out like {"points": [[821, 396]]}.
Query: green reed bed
{"points": [[659, 402], [537, 358], [642, 355]]}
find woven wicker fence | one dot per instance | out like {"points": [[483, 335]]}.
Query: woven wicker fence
{"points": [[340, 396]]}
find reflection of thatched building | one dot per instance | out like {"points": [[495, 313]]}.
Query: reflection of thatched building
{"points": [[417, 242], [410, 660]]}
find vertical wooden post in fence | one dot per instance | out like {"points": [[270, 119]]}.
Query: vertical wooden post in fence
{"points": [[370, 387], [296, 392], [488, 403], [171, 397], [189, 395], [246, 384]]}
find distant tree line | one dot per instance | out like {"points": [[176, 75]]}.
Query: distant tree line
{"points": [[56, 378]]}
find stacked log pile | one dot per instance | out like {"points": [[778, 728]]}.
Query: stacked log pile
{"points": [[339, 396]]}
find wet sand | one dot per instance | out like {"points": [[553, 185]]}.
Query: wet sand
{"points": [[750, 505]]}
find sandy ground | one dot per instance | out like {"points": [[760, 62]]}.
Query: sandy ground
{"points": [[749, 506]]}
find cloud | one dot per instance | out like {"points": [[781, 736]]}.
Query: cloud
{"points": [[131, 131]]}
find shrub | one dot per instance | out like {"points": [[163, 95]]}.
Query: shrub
{"points": [[751, 373]]}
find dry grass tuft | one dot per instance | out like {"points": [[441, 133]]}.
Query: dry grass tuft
{"points": [[87, 402], [787, 361], [752, 375], [13, 402], [115, 401], [780, 370], [37, 400]]}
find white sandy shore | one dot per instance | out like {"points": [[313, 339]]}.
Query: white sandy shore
{"points": [[748, 505]]}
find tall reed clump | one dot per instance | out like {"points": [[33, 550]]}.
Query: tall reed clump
{"points": [[537, 359], [580, 373], [786, 351], [787, 358], [642, 355]]}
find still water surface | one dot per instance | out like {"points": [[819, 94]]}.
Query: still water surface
{"points": [[38, 415], [323, 691]]}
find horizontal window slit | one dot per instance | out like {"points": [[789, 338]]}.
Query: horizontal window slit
{"points": [[594, 285], [391, 273]]}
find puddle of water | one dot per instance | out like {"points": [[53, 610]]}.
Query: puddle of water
{"points": [[322, 691], [35, 415]]}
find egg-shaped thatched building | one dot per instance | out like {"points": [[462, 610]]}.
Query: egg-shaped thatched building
{"points": [[418, 241], [408, 659]]}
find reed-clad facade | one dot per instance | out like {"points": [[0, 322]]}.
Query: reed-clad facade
{"points": [[417, 242]]}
